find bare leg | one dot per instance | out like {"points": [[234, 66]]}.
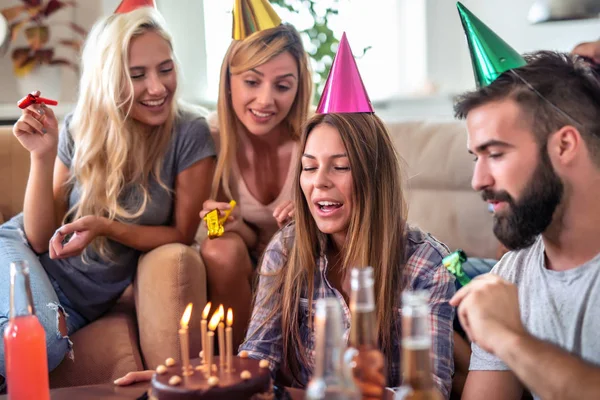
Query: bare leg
{"points": [[229, 272], [62, 323], [462, 357]]}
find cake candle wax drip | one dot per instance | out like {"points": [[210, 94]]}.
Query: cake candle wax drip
{"points": [[221, 332], [210, 342], [203, 330], [186, 369], [229, 338]]}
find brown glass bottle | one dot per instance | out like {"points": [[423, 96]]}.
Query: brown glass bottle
{"points": [[368, 362], [417, 381]]}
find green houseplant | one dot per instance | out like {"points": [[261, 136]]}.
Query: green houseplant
{"points": [[319, 34], [31, 18]]}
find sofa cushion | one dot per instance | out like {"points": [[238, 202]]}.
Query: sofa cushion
{"points": [[113, 338], [14, 170], [168, 278], [439, 194]]}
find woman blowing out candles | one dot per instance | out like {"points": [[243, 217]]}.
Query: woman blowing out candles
{"points": [[350, 211]]}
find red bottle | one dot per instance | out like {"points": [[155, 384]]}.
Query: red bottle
{"points": [[24, 342]]}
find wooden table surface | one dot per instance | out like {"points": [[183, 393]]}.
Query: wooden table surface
{"points": [[97, 392], [112, 392]]}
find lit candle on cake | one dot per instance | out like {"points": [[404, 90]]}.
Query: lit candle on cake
{"points": [[184, 341], [229, 334], [210, 341], [222, 337], [203, 328]]}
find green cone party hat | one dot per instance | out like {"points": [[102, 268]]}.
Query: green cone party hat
{"points": [[490, 55]]}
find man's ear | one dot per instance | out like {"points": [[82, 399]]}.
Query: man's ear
{"points": [[565, 145]]}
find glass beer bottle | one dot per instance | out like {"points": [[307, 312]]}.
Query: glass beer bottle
{"points": [[417, 381], [329, 380], [368, 362], [24, 342]]}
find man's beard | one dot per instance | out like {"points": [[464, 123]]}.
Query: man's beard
{"points": [[524, 220]]}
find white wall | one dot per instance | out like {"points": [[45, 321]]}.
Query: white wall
{"points": [[449, 65], [446, 60], [189, 44]]}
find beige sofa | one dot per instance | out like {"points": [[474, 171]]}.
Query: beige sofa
{"points": [[439, 193], [140, 332]]}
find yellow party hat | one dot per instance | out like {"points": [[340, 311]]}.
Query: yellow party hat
{"points": [[251, 16]]}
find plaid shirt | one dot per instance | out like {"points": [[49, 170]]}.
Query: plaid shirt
{"points": [[425, 270]]}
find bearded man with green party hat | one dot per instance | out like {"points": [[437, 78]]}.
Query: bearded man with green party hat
{"points": [[534, 130]]}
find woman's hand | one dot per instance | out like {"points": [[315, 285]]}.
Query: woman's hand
{"points": [[37, 130], [84, 230], [368, 368], [284, 213], [133, 377], [233, 219]]}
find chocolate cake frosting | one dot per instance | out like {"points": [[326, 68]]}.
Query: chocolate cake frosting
{"points": [[231, 385]]}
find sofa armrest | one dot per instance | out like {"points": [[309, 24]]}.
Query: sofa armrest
{"points": [[168, 278]]}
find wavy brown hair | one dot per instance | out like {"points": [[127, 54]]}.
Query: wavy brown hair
{"points": [[375, 236], [242, 56]]}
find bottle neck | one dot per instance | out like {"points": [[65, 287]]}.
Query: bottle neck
{"points": [[21, 299], [363, 326]]}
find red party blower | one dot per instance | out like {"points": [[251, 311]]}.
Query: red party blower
{"points": [[31, 99]]}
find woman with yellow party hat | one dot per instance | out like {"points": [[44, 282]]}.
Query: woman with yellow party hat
{"points": [[264, 96]]}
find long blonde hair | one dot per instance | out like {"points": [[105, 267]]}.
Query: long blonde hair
{"points": [[111, 149], [375, 237], [241, 56]]}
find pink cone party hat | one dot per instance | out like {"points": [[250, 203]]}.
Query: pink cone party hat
{"points": [[130, 5], [344, 90]]}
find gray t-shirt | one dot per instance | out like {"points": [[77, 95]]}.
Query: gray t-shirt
{"points": [[93, 287], [561, 307]]}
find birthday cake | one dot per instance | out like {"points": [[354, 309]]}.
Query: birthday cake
{"points": [[248, 379]]}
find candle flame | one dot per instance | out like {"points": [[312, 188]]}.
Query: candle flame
{"points": [[222, 312], [186, 316], [206, 310], [229, 317], [214, 321]]}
